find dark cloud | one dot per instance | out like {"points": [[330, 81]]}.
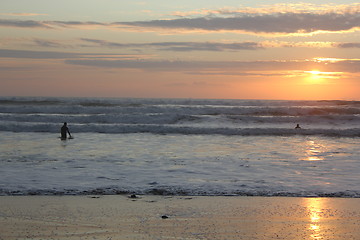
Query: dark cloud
{"points": [[104, 43], [345, 66], [180, 46], [140, 64], [76, 23], [23, 23], [260, 23], [199, 66], [186, 65], [46, 24], [220, 73], [48, 43], [286, 23], [188, 46], [7, 53], [348, 45], [207, 46], [123, 61]]}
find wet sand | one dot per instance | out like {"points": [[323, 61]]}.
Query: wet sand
{"points": [[178, 217]]}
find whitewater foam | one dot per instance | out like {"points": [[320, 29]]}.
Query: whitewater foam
{"points": [[227, 117]]}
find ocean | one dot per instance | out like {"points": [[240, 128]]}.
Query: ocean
{"points": [[180, 147]]}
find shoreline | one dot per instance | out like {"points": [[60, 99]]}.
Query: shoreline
{"points": [[178, 217]]}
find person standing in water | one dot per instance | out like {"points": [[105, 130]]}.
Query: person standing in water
{"points": [[297, 126], [65, 131]]}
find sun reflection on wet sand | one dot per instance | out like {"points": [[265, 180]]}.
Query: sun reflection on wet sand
{"points": [[315, 208]]}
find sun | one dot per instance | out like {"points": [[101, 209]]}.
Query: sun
{"points": [[314, 72], [315, 77]]}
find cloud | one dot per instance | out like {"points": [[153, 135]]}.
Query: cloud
{"points": [[139, 64], [274, 19], [283, 44], [49, 43], [23, 14], [234, 73], [9, 53], [216, 46], [272, 9], [179, 46], [48, 24], [175, 46], [348, 45], [23, 23], [208, 46], [71, 24], [131, 61], [343, 65], [105, 43], [285, 23]]}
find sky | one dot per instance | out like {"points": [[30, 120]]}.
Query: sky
{"points": [[229, 49]]}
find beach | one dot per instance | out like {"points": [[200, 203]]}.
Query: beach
{"points": [[178, 217], [194, 120]]}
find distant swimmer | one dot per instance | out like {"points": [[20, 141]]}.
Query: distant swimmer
{"points": [[297, 126], [65, 131]]}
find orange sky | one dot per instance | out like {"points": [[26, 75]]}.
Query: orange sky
{"points": [[208, 49]]}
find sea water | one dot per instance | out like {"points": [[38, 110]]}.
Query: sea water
{"points": [[180, 147]]}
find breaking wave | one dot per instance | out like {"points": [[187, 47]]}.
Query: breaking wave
{"points": [[181, 116]]}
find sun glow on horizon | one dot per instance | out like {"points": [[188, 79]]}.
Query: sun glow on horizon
{"points": [[315, 77], [315, 72], [319, 77]]}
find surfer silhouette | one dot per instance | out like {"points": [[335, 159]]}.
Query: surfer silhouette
{"points": [[65, 131], [297, 126]]}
